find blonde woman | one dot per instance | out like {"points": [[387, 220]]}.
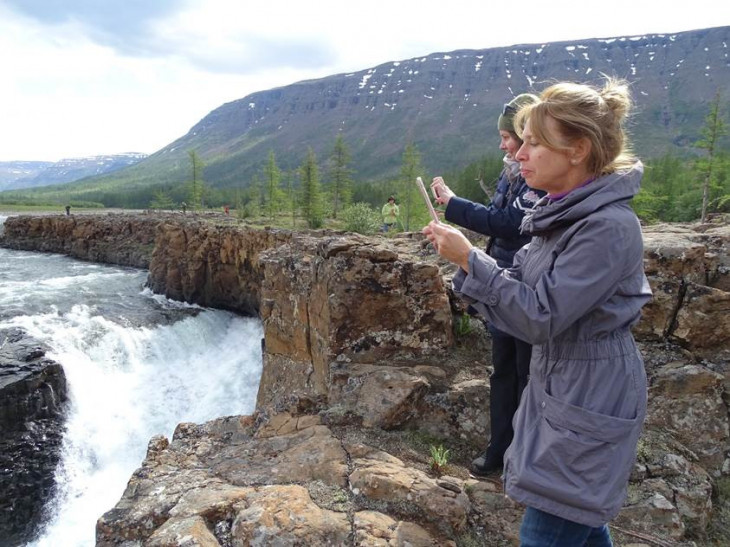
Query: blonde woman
{"points": [[574, 293]]}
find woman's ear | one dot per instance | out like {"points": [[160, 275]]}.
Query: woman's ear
{"points": [[580, 151]]}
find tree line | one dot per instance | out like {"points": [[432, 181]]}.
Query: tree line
{"points": [[310, 193], [674, 189]]}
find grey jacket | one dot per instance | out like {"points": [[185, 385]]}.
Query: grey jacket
{"points": [[574, 292]]}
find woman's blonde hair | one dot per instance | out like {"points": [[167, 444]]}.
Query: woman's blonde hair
{"points": [[583, 111]]}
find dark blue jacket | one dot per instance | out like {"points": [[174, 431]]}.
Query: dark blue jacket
{"points": [[500, 219]]}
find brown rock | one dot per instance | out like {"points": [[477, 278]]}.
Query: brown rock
{"points": [[686, 400], [274, 515]]}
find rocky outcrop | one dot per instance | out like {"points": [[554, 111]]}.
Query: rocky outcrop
{"points": [[688, 267], [125, 240], [333, 301], [292, 480], [211, 264], [366, 371], [32, 397]]}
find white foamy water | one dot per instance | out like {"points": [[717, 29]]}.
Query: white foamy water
{"points": [[137, 365]]}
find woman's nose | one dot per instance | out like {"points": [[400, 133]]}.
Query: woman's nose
{"points": [[520, 155]]}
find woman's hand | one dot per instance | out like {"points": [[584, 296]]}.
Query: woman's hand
{"points": [[450, 243], [440, 191]]}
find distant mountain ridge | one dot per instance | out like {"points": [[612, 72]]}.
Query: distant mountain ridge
{"points": [[32, 174], [12, 171], [446, 104]]}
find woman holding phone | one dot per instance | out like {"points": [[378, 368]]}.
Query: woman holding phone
{"points": [[501, 221], [574, 293]]}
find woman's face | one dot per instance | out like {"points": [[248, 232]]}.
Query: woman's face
{"points": [[544, 168], [508, 143]]}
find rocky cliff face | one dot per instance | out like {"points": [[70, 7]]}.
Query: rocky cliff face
{"points": [[32, 400], [211, 265], [126, 240], [365, 369]]}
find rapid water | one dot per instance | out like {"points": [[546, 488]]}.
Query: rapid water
{"points": [[137, 365]]}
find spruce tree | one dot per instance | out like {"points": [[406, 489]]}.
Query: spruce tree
{"points": [[292, 196], [713, 129], [311, 196], [273, 195], [340, 181], [410, 169], [162, 200], [253, 195], [196, 183]]}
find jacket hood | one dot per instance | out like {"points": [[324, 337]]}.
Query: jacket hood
{"points": [[616, 187]]}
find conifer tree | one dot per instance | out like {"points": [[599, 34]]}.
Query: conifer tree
{"points": [[253, 194], [311, 193], [273, 195], [162, 200], [196, 185], [292, 197], [410, 169], [713, 129], [340, 181]]}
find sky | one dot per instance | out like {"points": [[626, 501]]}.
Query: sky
{"points": [[90, 77]]}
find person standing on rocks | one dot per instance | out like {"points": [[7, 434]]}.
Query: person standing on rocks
{"points": [[501, 221], [574, 293], [390, 214]]}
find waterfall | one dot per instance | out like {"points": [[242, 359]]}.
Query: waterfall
{"points": [[137, 365]]}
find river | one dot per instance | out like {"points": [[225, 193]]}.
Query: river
{"points": [[137, 364]]}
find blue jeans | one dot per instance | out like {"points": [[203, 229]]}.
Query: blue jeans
{"points": [[541, 529]]}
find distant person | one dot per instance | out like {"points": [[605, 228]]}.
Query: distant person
{"points": [[227, 210], [390, 214], [68, 210], [500, 220], [184, 207], [574, 293]]}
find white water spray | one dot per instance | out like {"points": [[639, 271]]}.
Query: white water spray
{"points": [[128, 383]]}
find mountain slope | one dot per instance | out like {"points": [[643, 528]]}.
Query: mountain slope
{"points": [[446, 104]]}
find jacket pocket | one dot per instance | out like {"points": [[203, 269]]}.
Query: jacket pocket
{"points": [[577, 457]]}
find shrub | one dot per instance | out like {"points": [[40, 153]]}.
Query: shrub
{"points": [[361, 218], [463, 325]]}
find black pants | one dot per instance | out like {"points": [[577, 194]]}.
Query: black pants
{"points": [[511, 362]]}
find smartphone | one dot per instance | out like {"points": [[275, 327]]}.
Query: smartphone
{"points": [[427, 199]]}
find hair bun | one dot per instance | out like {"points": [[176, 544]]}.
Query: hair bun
{"points": [[617, 97]]}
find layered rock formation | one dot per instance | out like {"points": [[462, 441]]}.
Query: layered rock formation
{"points": [[125, 240], [364, 375], [32, 399], [211, 264]]}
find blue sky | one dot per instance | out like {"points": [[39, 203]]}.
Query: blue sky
{"points": [[88, 77]]}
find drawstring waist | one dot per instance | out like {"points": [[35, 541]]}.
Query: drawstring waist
{"points": [[616, 345]]}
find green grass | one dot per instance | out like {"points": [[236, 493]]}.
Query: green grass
{"points": [[33, 209]]}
